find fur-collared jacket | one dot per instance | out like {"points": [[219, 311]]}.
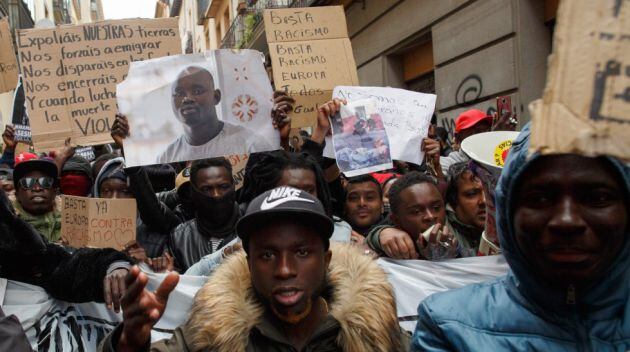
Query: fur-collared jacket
{"points": [[227, 317]]}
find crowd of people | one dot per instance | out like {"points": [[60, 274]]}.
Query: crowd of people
{"points": [[291, 255]]}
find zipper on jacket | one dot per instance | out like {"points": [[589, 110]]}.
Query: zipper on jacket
{"points": [[571, 295]]}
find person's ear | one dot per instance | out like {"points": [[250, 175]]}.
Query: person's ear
{"points": [[217, 96], [327, 257]]}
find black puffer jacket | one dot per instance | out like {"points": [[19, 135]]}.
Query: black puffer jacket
{"points": [[189, 243], [26, 256]]}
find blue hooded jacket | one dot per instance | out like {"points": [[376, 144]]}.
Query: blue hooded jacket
{"points": [[519, 311]]}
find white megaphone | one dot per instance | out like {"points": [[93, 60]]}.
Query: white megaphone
{"points": [[489, 151]]}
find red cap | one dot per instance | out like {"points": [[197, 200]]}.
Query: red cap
{"points": [[469, 118], [22, 157], [382, 177]]}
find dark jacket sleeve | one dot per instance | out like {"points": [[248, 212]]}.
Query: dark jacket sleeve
{"points": [[154, 214], [8, 157], [78, 277], [169, 198]]}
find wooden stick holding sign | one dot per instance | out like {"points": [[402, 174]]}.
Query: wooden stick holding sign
{"points": [[98, 222]]}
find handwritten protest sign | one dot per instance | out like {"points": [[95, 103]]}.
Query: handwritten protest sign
{"points": [[360, 140], [310, 55], [406, 116], [98, 222], [230, 114], [8, 63], [586, 103], [70, 74], [238, 163]]}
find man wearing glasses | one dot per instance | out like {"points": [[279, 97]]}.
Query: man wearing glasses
{"points": [[35, 184]]}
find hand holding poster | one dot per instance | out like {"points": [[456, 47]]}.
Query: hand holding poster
{"points": [[360, 140], [197, 106], [586, 103], [70, 74], [98, 222], [310, 54], [8, 63], [406, 116]]}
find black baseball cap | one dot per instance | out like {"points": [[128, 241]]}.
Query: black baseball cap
{"points": [[285, 203]]}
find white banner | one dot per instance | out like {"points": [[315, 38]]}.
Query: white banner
{"points": [[406, 116], [53, 325]]}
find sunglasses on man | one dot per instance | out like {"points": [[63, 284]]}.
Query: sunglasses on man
{"points": [[29, 182]]}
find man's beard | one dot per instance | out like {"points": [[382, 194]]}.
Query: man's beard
{"points": [[295, 318]]}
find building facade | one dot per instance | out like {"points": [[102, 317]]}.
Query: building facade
{"points": [[56, 12], [17, 12], [466, 52]]}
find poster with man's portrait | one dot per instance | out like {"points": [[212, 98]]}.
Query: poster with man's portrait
{"points": [[359, 139], [197, 106]]}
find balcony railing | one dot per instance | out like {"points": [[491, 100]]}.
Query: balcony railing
{"points": [[244, 26]]}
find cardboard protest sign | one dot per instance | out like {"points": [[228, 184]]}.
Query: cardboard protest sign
{"points": [[8, 64], [98, 222], [70, 74], [586, 103], [360, 140], [310, 55], [238, 163], [406, 116], [197, 106]]}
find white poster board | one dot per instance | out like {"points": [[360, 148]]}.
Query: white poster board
{"points": [[360, 139], [406, 116], [157, 102]]}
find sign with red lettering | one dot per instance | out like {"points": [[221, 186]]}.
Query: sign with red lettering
{"points": [[70, 74], [310, 55], [98, 222]]}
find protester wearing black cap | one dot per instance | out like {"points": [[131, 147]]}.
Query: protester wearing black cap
{"points": [[35, 184], [286, 292]]}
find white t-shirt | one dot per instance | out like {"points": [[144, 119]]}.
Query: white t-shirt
{"points": [[232, 139]]}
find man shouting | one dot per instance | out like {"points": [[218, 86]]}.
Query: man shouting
{"points": [[287, 292]]}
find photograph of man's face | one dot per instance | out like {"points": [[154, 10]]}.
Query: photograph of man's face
{"points": [[194, 97]]}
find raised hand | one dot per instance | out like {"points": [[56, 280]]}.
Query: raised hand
{"points": [[120, 129], [324, 113], [142, 309], [8, 137]]}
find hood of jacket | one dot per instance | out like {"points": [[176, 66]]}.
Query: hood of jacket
{"points": [[362, 301], [107, 167], [608, 294]]}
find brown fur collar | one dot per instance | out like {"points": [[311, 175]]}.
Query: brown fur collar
{"points": [[225, 308]]}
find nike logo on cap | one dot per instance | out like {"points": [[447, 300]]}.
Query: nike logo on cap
{"points": [[281, 196]]}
